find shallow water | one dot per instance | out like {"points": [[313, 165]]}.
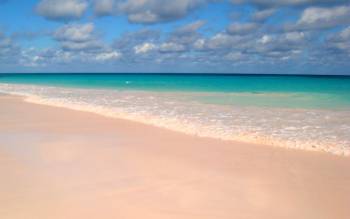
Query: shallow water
{"points": [[307, 120]]}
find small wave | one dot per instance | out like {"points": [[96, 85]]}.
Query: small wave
{"points": [[314, 130]]}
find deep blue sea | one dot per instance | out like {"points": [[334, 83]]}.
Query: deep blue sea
{"points": [[306, 112]]}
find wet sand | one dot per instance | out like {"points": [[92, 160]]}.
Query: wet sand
{"points": [[63, 164]]}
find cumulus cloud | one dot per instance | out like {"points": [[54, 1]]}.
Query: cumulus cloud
{"points": [[190, 28], [340, 41], [107, 56], [242, 28], [147, 11], [104, 7], [318, 18], [8, 49], [55, 56], [171, 47], [276, 3], [130, 40], [265, 39], [282, 41], [74, 48], [254, 46], [222, 41], [153, 11], [281, 46], [343, 35], [262, 15], [31, 57], [62, 10], [75, 32], [249, 39], [144, 48], [186, 34], [85, 45], [199, 44], [77, 37], [236, 56], [35, 58]]}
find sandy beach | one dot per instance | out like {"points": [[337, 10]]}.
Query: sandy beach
{"points": [[63, 164]]}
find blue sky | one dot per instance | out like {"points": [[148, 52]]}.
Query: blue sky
{"points": [[216, 36]]}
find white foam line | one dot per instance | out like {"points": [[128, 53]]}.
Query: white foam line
{"points": [[191, 129], [186, 127]]}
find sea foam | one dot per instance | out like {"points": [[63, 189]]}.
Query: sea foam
{"points": [[307, 129]]}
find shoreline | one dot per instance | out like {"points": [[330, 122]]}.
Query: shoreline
{"points": [[61, 163], [246, 138], [334, 146]]}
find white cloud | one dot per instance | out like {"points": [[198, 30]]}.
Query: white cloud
{"points": [[340, 40], [235, 56], [249, 41], [242, 28], [294, 36], [199, 44], [87, 45], [282, 46], [78, 37], [171, 47], [344, 35], [274, 3], [104, 7], [145, 17], [263, 14], [144, 48], [107, 56], [221, 40], [9, 51], [265, 39], [32, 61], [191, 27], [46, 57], [147, 11], [316, 17], [62, 9], [75, 32]]}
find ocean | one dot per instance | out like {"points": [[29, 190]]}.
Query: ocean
{"points": [[301, 112]]}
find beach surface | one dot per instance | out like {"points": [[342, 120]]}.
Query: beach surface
{"points": [[57, 163]]}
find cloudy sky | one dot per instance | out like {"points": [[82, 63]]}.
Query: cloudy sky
{"points": [[227, 36]]}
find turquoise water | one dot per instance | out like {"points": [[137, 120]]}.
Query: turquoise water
{"points": [[290, 91], [302, 112]]}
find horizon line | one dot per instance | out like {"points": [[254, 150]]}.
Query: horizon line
{"points": [[169, 73]]}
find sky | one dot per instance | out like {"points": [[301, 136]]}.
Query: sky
{"points": [[204, 36]]}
